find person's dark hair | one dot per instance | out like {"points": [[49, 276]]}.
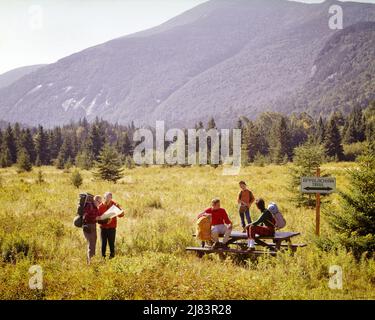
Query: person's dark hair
{"points": [[242, 182], [260, 204]]}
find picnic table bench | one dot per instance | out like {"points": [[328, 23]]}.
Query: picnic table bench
{"points": [[280, 241]]}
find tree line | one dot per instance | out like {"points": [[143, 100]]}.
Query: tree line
{"points": [[272, 138]]}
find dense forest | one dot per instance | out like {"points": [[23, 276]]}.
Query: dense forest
{"points": [[271, 138]]}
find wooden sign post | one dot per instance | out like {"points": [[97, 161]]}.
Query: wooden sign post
{"points": [[318, 186], [317, 215]]}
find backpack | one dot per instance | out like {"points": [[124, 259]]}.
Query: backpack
{"points": [[203, 231], [78, 220], [277, 215]]}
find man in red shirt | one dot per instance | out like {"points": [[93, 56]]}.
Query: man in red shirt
{"points": [[220, 223], [108, 230]]}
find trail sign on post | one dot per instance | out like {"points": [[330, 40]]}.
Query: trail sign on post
{"points": [[318, 186]]}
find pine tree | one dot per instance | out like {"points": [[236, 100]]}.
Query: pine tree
{"points": [[211, 124], [307, 159], [5, 156], [354, 130], [355, 222], [17, 132], [96, 140], [23, 161], [27, 143], [11, 144], [332, 143], [85, 160], [55, 142], [109, 165], [76, 179], [280, 141], [65, 153], [320, 131], [42, 147]]}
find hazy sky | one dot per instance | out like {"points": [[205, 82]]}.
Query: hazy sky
{"points": [[43, 31]]}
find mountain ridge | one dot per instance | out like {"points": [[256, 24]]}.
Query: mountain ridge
{"points": [[223, 59]]}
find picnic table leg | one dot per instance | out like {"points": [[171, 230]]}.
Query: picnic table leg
{"points": [[277, 245], [291, 248]]}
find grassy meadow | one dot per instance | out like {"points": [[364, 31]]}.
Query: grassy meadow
{"points": [[161, 205]]}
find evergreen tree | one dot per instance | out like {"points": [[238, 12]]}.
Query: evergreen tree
{"points": [[42, 147], [280, 141], [125, 145], [23, 161], [56, 141], [109, 164], [5, 156], [355, 222], [354, 130], [27, 143], [66, 152], [17, 134], [85, 160], [11, 144], [76, 179], [320, 131], [211, 124], [333, 144], [369, 116], [307, 159], [96, 140]]}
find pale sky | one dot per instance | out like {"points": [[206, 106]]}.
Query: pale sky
{"points": [[43, 31]]}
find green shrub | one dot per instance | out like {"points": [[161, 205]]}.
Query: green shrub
{"points": [[14, 247], [353, 151]]}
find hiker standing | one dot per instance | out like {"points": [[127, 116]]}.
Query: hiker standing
{"points": [[108, 230], [264, 226], [245, 200], [90, 218], [220, 225]]}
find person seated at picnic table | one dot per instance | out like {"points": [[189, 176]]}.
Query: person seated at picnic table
{"points": [[221, 224], [264, 226]]}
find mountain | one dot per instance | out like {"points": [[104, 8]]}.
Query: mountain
{"points": [[224, 58], [12, 76], [343, 74]]}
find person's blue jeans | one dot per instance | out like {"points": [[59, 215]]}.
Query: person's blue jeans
{"points": [[248, 218]]}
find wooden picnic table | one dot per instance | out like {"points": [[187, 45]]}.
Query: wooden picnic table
{"points": [[278, 242]]}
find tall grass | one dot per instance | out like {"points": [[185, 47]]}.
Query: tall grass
{"points": [[161, 205]]}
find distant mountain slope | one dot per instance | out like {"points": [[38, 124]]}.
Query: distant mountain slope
{"points": [[12, 76], [225, 58], [343, 74]]}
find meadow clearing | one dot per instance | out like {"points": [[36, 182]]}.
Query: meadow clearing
{"points": [[161, 205]]}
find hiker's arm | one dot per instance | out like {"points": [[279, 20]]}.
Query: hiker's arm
{"points": [[261, 220], [239, 201], [123, 213], [227, 221]]}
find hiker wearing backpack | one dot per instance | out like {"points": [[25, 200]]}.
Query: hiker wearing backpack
{"points": [[264, 226], [108, 230], [220, 223], [245, 200], [90, 218]]}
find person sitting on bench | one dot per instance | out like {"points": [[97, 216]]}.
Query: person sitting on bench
{"points": [[264, 226], [220, 223]]}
